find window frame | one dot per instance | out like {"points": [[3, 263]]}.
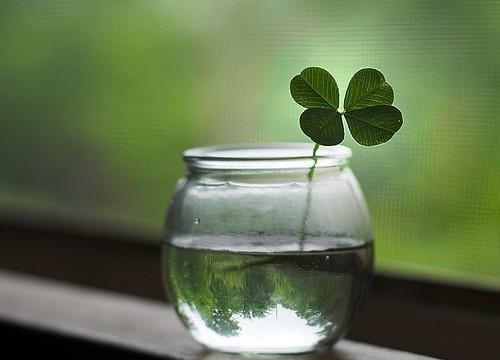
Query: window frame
{"points": [[411, 314]]}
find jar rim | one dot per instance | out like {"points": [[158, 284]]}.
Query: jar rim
{"points": [[264, 156]]}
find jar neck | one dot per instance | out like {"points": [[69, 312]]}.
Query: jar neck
{"points": [[263, 178], [264, 158]]}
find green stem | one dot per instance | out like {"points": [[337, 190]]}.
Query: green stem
{"points": [[310, 175], [272, 259], [249, 264]]}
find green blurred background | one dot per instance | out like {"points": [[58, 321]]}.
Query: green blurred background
{"points": [[98, 99]]}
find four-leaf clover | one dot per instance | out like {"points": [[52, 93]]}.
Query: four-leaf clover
{"points": [[369, 114]]}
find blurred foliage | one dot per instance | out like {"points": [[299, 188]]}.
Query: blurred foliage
{"points": [[99, 98], [324, 290]]}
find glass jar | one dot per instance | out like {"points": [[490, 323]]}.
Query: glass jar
{"points": [[257, 258]]}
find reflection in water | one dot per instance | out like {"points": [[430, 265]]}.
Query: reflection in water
{"points": [[327, 353], [266, 303], [251, 330]]}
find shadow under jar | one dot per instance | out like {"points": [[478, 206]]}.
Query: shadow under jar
{"points": [[257, 258]]}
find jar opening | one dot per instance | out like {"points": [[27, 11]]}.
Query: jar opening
{"points": [[268, 156]]}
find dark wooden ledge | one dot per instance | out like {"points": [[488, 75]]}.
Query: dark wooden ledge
{"points": [[416, 315], [129, 323]]}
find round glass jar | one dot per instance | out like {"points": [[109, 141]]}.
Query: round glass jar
{"points": [[257, 258]]}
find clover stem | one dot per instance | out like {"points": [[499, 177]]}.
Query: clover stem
{"points": [[310, 175]]}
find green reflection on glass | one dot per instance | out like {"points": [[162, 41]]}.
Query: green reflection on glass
{"points": [[324, 289]]}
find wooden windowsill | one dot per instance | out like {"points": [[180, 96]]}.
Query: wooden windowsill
{"points": [[416, 315], [126, 322]]}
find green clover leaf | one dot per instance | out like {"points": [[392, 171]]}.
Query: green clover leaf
{"points": [[315, 88], [375, 124], [368, 112], [367, 88], [323, 126]]}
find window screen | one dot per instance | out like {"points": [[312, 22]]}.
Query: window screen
{"points": [[99, 98]]}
